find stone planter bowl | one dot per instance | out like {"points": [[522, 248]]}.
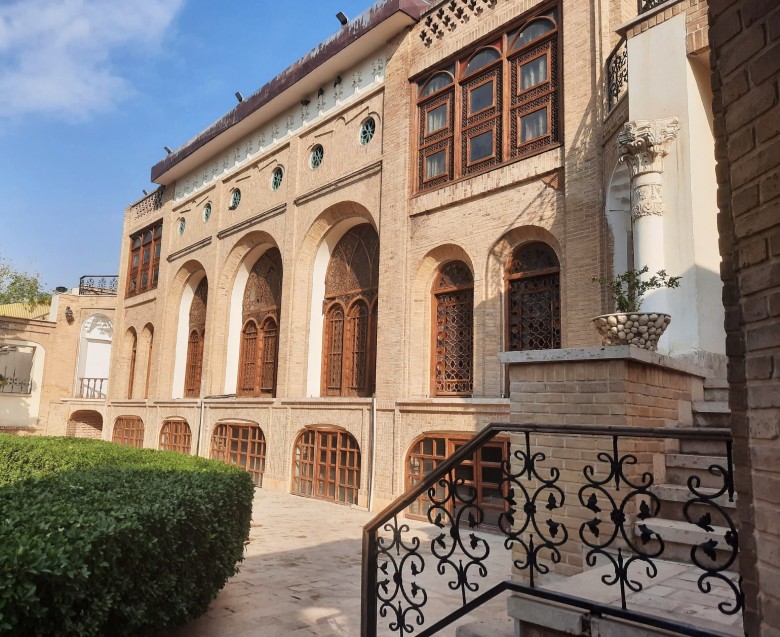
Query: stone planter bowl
{"points": [[642, 329]]}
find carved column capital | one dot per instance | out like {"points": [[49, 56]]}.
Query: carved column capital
{"points": [[643, 144]]}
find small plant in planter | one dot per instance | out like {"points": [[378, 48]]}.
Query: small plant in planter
{"points": [[630, 325], [4, 380]]}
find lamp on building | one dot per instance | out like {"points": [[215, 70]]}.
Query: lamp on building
{"points": [[337, 82], [68, 314], [60, 289], [320, 92], [167, 150], [342, 18], [239, 97], [304, 102], [143, 190]]}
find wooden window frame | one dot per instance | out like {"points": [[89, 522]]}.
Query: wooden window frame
{"points": [[453, 440], [437, 292], [510, 103], [311, 438], [128, 431], [253, 452], [176, 435], [150, 269]]}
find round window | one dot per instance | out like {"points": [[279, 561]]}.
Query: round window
{"points": [[367, 130], [276, 178], [182, 225], [317, 155], [235, 199], [207, 212]]}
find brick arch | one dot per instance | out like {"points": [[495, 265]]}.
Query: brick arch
{"points": [[421, 314], [183, 289], [85, 423]]}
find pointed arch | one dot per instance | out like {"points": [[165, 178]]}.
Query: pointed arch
{"points": [[197, 334]]}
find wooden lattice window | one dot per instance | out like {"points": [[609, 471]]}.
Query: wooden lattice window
{"points": [[453, 309], [149, 363], [479, 478], [129, 431], [260, 335], [326, 465], [133, 357], [144, 268], [350, 309], [175, 435], [240, 444], [197, 334], [494, 104], [534, 298]]}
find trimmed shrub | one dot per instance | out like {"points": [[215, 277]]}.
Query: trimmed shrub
{"points": [[98, 539]]}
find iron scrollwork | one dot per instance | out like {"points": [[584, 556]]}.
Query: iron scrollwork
{"points": [[617, 73]]}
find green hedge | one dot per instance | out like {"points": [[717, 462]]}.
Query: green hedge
{"points": [[99, 539]]}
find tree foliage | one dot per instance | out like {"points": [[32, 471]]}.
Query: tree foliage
{"points": [[18, 286]]}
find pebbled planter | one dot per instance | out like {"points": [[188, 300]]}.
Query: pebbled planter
{"points": [[642, 329]]}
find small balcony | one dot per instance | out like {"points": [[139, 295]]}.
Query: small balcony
{"points": [[617, 74], [643, 6], [92, 388], [98, 285]]}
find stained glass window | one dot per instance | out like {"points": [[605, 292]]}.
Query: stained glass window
{"points": [[235, 199], [367, 130], [276, 178], [182, 226], [207, 212]]}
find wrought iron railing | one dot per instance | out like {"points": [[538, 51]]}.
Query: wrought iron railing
{"points": [[617, 73], [98, 284], [92, 387], [10, 384], [567, 491], [643, 6]]}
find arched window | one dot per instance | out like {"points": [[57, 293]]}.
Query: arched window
{"points": [[129, 431], [175, 435], [259, 345], [241, 444], [482, 476], [453, 331], [133, 357], [349, 342], [326, 465], [534, 298], [197, 333]]}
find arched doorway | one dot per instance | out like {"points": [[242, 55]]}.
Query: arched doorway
{"points": [[241, 444], [85, 423], [326, 465]]}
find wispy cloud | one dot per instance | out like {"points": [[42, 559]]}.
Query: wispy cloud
{"points": [[63, 57]]}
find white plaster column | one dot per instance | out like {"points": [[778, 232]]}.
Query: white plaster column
{"points": [[643, 144]]}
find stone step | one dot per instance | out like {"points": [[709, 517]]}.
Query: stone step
{"points": [[711, 407], [711, 413], [681, 532], [716, 389], [678, 493], [703, 447], [680, 467], [504, 627]]}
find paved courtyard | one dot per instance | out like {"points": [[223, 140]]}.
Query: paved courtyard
{"points": [[301, 577]]}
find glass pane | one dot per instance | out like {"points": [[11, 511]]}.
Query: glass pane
{"points": [[483, 58], [436, 83], [435, 165], [481, 97], [464, 472], [440, 446], [158, 232], [533, 73], [428, 466], [491, 474], [533, 125], [147, 254], [481, 146], [136, 242], [135, 260], [427, 446], [436, 119], [157, 251], [492, 454], [531, 32]]}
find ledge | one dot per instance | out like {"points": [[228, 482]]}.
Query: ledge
{"points": [[252, 221], [613, 352], [339, 182], [188, 250]]}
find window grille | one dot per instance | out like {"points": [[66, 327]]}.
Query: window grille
{"points": [[453, 294]]}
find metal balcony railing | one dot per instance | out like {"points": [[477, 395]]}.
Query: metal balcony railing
{"points": [[92, 388], [572, 502], [98, 285], [617, 73]]}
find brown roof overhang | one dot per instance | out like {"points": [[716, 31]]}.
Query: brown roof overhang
{"points": [[381, 22]]}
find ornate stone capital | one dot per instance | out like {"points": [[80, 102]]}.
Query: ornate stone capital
{"points": [[643, 144]]}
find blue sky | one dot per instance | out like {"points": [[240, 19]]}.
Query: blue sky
{"points": [[91, 91]]}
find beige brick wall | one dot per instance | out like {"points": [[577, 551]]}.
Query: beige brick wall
{"points": [[746, 80]]}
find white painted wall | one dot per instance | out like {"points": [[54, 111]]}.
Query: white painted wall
{"points": [[316, 320], [662, 84], [22, 410], [183, 332]]}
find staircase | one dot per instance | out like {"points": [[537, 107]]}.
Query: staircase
{"points": [[694, 457]]}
